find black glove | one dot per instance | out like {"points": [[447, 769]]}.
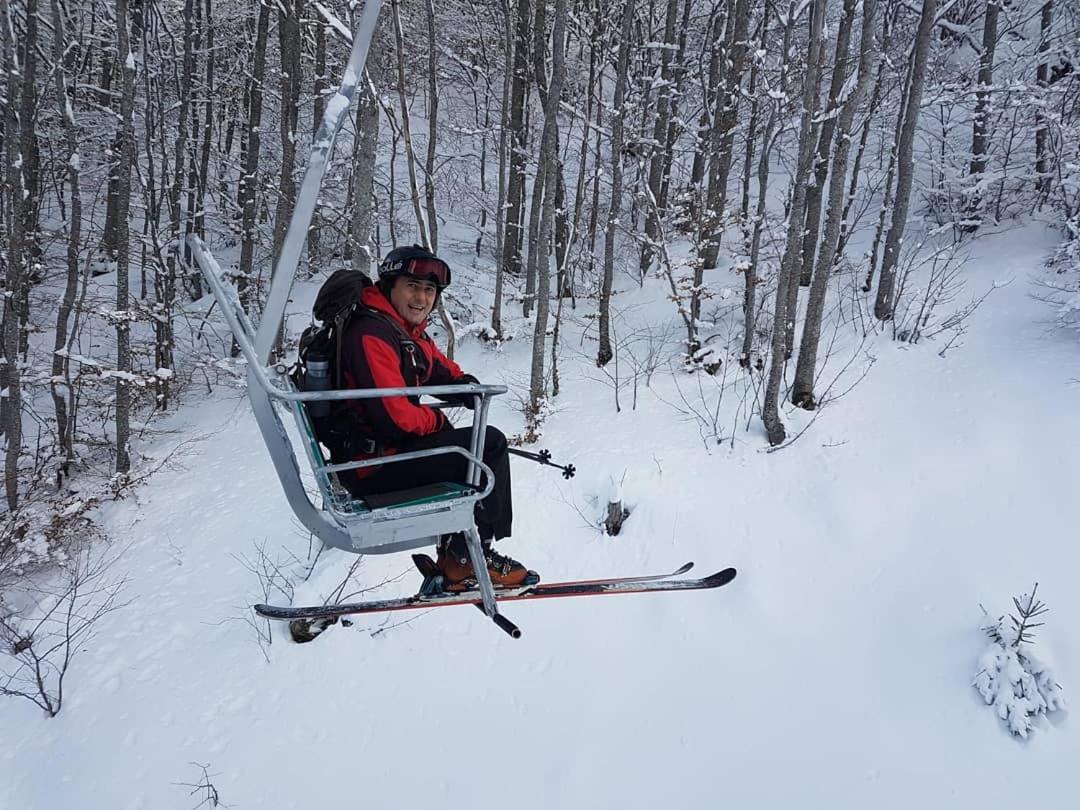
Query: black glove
{"points": [[466, 400]]}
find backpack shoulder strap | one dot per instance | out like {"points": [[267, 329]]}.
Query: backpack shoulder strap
{"points": [[359, 310]]}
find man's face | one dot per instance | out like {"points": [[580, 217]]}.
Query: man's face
{"points": [[413, 299]]}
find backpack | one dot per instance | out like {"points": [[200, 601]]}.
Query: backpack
{"points": [[336, 425]]}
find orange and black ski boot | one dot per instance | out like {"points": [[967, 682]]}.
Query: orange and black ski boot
{"points": [[452, 570]]}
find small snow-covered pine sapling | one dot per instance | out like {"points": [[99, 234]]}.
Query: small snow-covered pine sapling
{"points": [[1018, 685]]}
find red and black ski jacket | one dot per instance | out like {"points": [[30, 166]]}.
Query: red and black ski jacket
{"points": [[380, 350]]}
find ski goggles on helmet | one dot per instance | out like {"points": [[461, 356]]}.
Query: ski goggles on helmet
{"points": [[421, 268], [434, 270]]}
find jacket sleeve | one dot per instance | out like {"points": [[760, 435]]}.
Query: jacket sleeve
{"points": [[375, 363]]}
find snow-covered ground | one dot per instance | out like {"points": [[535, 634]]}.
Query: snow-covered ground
{"points": [[835, 671]]}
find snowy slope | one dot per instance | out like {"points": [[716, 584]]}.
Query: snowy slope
{"points": [[834, 672]]}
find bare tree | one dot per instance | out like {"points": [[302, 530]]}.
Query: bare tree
{"points": [[803, 388], [1046, 22], [980, 124], [406, 130], [884, 302], [533, 254], [363, 176], [64, 56], [249, 178], [433, 128], [721, 139], [504, 125], [658, 144], [548, 166], [784, 311], [511, 247], [318, 88], [38, 646], [768, 138], [122, 240], [18, 144], [824, 144], [604, 353], [289, 40]]}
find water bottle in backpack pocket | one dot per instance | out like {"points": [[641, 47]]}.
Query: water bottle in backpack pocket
{"points": [[313, 371], [317, 378]]}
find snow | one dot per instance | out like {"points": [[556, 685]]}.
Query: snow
{"points": [[835, 671]]}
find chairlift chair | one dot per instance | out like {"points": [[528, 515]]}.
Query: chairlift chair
{"points": [[372, 525]]}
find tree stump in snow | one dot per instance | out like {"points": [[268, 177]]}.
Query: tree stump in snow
{"points": [[615, 516]]}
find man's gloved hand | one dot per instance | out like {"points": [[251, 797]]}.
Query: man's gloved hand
{"points": [[463, 400], [466, 400]]}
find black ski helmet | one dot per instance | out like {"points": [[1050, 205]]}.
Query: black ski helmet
{"points": [[415, 262]]}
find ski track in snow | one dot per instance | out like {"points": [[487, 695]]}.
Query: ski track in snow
{"points": [[834, 672]]}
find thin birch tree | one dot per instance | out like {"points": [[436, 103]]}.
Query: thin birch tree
{"points": [[884, 302], [604, 351], [548, 166], [803, 387], [783, 311]]}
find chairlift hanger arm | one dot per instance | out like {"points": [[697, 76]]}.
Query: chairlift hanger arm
{"points": [[322, 146]]}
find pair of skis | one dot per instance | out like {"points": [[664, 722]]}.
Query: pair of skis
{"points": [[554, 590]]}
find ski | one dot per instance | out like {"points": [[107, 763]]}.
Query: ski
{"points": [[553, 590]]}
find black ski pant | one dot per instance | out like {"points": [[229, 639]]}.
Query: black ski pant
{"points": [[494, 513]]}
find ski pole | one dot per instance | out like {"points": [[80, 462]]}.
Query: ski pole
{"points": [[544, 457]]}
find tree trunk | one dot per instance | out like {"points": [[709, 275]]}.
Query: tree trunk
{"points": [[803, 389], [289, 40], [562, 233], [824, 145], [249, 181], [766, 137], [658, 144], [363, 175], [597, 21], [64, 56], [318, 88], [511, 252], [207, 140], [604, 352], [701, 139], [675, 124], [721, 141], [406, 130], [889, 190], [980, 125], [1042, 76], [433, 124], [549, 142], [195, 43], [875, 100], [18, 142], [165, 283], [500, 220], [783, 312], [539, 71], [885, 303], [122, 241]]}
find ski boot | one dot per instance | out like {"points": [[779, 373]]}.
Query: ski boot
{"points": [[452, 571]]}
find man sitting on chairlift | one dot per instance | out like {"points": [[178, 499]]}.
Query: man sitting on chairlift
{"points": [[392, 350]]}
